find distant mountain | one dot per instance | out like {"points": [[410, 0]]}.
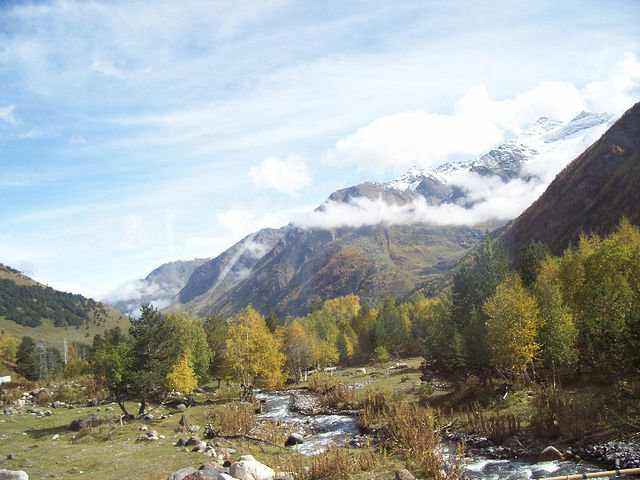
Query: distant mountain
{"points": [[590, 195], [30, 308], [159, 288], [295, 263]]}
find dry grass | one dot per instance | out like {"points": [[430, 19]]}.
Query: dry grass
{"points": [[237, 418], [496, 427], [334, 463]]}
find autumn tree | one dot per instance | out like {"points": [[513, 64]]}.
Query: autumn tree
{"points": [[252, 354], [8, 347], [182, 376], [512, 326], [298, 349]]}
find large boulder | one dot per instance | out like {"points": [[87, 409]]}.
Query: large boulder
{"points": [[294, 439], [180, 474], [549, 454], [13, 475], [81, 423], [248, 468]]}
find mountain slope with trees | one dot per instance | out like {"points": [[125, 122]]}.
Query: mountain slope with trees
{"points": [[590, 195]]}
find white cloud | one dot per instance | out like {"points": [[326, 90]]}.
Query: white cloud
{"points": [[33, 133], [614, 93], [494, 200], [77, 140], [429, 139], [7, 115], [286, 176]]}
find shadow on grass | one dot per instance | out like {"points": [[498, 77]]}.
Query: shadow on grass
{"points": [[47, 432]]}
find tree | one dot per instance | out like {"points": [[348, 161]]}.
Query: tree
{"points": [[113, 361], [252, 354], [298, 350], [182, 377], [273, 321], [472, 285], [27, 359], [530, 261], [191, 337], [215, 328], [512, 325], [557, 334], [8, 347]]}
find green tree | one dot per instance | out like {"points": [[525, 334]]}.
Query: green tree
{"points": [[530, 261], [192, 338], [215, 328], [113, 361], [27, 362], [512, 325], [472, 285]]}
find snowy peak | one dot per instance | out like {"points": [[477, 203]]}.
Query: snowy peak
{"points": [[546, 138]]}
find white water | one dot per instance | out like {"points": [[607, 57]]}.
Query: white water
{"points": [[339, 429]]}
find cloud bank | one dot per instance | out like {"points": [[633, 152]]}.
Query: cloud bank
{"points": [[286, 176]]}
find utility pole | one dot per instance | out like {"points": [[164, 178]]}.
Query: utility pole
{"points": [[64, 349], [42, 353]]}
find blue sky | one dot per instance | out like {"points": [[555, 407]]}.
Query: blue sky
{"points": [[133, 133]]}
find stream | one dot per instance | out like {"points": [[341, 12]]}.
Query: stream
{"points": [[322, 431]]}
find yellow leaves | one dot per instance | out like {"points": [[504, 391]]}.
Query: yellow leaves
{"points": [[512, 325], [8, 347], [253, 354], [182, 378]]}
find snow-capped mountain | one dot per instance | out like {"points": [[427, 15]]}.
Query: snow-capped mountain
{"points": [[538, 153]]}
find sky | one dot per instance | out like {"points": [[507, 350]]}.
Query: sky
{"points": [[133, 133]]}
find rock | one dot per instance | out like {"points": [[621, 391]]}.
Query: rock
{"points": [[193, 428], [55, 437], [294, 439], [212, 469], [181, 474], [201, 447], [404, 474], [148, 416], [13, 475], [183, 421], [248, 468], [225, 476], [193, 440], [57, 404], [181, 407], [210, 452], [181, 442], [549, 454], [81, 423], [152, 435], [200, 476]]}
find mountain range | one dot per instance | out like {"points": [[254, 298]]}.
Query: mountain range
{"points": [[386, 239]]}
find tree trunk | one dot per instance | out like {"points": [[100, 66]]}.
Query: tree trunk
{"points": [[143, 406], [124, 410]]}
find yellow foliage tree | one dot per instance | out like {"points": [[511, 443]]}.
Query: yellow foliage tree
{"points": [[8, 347], [182, 377], [512, 325], [252, 354]]}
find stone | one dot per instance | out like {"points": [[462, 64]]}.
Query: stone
{"points": [[182, 473], [181, 442], [193, 440], [81, 423], [181, 407], [201, 447], [294, 439], [193, 428], [13, 475], [404, 474], [200, 476], [183, 421], [248, 468], [212, 469], [549, 454], [55, 437], [225, 476], [152, 435]]}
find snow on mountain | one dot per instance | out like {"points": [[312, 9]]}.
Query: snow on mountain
{"points": [[541, 152]]}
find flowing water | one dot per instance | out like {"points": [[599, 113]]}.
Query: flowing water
{"points": [[326, 430]]}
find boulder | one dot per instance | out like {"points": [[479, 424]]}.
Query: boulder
{"points": [[181, 406], [294, 439], [81, 423], [201, 447], [180, 474], [13, 475], [549, 454], [181, 442], [193, 440], [404, 474], [199, 476], [248, 468]]}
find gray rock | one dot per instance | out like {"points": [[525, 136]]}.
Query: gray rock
{"points": [[181, 442], [294, 439], [13, 475], [201, 447], [549, 454], [180, 474], [404, 474], [181, 407], [193, 440], [248, 468], [193, 428], [81, 423]]}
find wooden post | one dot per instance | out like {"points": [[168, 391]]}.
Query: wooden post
{"points": [[610, 473]]}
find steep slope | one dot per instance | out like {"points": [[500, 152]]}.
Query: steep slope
{"points": [[590, 195], [373, 262], [30, 308], [159, 287]]}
